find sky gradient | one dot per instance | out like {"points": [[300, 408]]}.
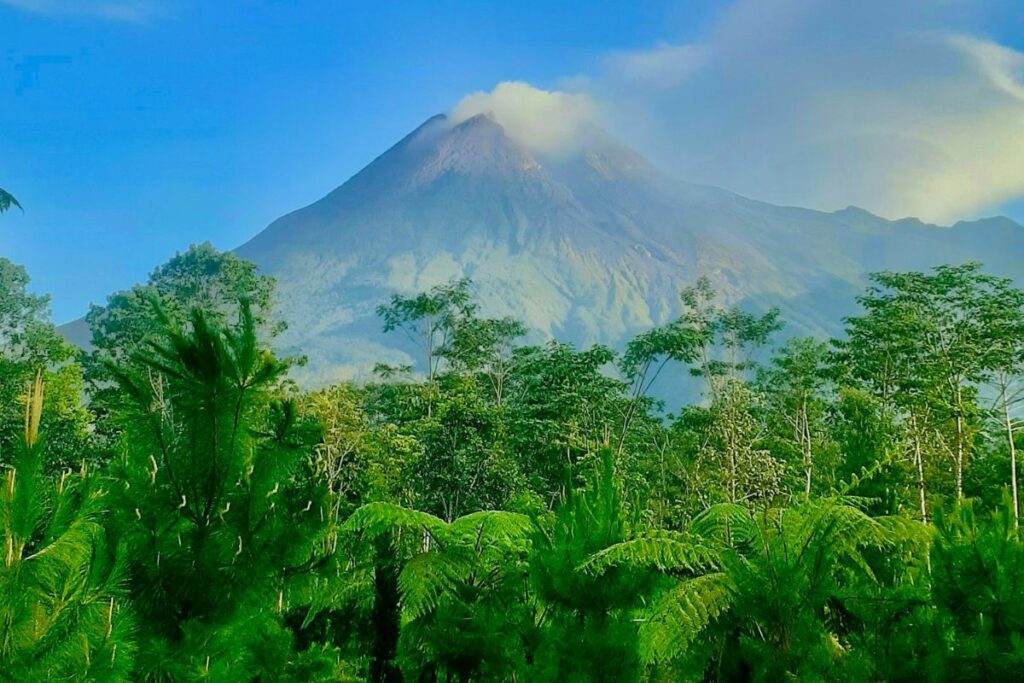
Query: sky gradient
{"points": [[130, 129]]}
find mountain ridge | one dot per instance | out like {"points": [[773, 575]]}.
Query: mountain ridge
{"points": [[591, 246], [588, 245]]}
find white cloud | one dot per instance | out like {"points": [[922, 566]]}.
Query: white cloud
{"points": [[1003, 67], [542, 120], [114, 10], [891, 106]]}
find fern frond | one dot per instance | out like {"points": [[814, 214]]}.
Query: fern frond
{"points": [[374, 519], [681, 614], [667, 551], [728, 523], [426, 578], [509, 528]]}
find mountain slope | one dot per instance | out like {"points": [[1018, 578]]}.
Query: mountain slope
{"points": [[591, 246]]}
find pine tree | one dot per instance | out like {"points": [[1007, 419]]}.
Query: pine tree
{"points": [[977, 563], [587, 627], [212, 499], [64, 614]]}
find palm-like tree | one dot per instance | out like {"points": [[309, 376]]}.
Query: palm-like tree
{"points": [[7, 200], [759, 595], [210, 496], [461, 589]]}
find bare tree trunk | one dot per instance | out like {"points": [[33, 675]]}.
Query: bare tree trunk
{"points": [[959, 444], [1013, 452], [919, 461], [808, 455], [920, 481]]}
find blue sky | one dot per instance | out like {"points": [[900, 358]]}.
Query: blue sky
{"points": [[130, 129]]}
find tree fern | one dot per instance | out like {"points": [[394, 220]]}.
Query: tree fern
{"points": [[460, 587]]}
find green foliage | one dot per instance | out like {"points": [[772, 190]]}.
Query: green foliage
{"points": [[588, 632], [772, 595], [977, 577], [516, 512], [64, 613], [200, 278], [461, 590], [29, 343], [430, 320], [7, 200], [211, 501], [562, 410]]}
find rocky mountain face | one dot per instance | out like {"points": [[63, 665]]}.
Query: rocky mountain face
{"points": [[589, 246]]}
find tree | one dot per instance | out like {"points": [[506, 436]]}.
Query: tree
{"points": [[562, 410], [7, 201], [870, 443], [429, 319], [924, 343], [725, 339], [977, 573], [1004, 328], [29, 343], [465, 465], [719, 344], [647, 354], [758, 595], [485, 347], [794, 386], [588, 631], [461, 591], [339, 460], [212, 503], [63, 614], [202, 278]]}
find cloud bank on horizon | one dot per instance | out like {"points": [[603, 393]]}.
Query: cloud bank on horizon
{"points": [[895, 109]]}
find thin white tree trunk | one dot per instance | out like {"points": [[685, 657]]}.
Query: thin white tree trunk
{"points": [[1013, 456], [959, 444], [919, 461]]}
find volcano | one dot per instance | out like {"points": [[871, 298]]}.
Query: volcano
{"points": [[588, 245]]}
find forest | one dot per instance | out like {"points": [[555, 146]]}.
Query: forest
{"points": [[174, 508]]}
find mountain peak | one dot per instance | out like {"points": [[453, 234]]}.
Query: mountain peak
{"points": [[591, 246]]}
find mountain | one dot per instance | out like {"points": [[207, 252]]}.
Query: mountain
{"points": [[588, 246]]}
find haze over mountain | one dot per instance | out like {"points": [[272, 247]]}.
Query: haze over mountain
{"points": [[588, 244]]}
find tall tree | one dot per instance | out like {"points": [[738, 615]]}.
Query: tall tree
{"points": [[201, 277], [925, 342], [429, 319], [562, 410], [211, 501], [1003, 321], [794, 385], [485, 347]]}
